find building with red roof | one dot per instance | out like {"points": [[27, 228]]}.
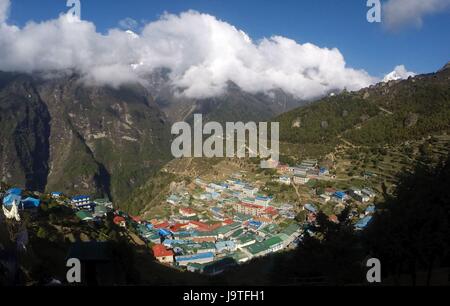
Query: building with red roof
{"points": [[200, 226], [177, 227], [271, 212], [334, 218], [136, 219], [120, 221], [162, 225], [228, 222], [162, 254], [187, 212]]}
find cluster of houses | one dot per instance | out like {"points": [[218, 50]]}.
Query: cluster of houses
{"points": [[199, 247], [364, 196], [310, 170], [88, 209], [301, 174], [14, 201], [219, 225], [14, 196]]}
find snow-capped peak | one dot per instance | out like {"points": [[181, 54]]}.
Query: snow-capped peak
{"points": [[132, 34], [399, 73]]}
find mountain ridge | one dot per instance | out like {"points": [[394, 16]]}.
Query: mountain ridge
{"points": [[63, 134], [387, 112]]}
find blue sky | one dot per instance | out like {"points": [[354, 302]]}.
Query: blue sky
{"points": [[326, 23]]}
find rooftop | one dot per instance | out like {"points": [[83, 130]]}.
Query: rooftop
{"points": [[160, 250], [260, 247]]}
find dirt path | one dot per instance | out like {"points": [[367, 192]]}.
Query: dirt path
{"points": [[386, 111], [135, 239], [297, 192]]}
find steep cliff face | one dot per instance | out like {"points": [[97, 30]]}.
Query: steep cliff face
{"points": [[24, 133], [59, 134]]}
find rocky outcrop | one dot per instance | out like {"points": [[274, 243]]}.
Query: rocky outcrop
{"points": [[62, 135]]}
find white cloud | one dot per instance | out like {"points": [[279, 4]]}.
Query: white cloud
{"points": [[401, 13], [399, 73], [128, 24], [4, 7], [202, 53]]}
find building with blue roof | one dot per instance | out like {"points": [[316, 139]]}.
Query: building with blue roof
{"points": [[30, 203], [10, 198], [15, 191], [255, 224], [56, 195], [170, 242], [164, 233], [340, 196], [81, 201], [226, 246], [324, 171], [371, 209], [363, 223], [173, 199], [311, 208]]}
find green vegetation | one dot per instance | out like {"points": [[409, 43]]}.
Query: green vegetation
{"points": [[153, 192], [383, 114]]}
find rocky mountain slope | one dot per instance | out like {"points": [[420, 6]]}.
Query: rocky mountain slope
{"points": [[383, 115], [61, 135]]}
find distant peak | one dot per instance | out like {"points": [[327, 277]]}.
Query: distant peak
{"points": [[446, 67], [132, 34], [399, 73]]}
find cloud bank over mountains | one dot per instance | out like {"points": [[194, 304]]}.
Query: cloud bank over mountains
{"points": [[202, 53]]}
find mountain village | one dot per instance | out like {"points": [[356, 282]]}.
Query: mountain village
{"points": [[214, 226]]}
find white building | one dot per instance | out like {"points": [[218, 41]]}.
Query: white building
{"points": [[285, 180], [301, 179]]}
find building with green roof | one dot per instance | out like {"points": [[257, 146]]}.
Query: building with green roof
{"points": [[237, 233], [292, 229], [227, 230], [84, 215], [269, 230], [240, 257], [212, 268], [266, 247], [100, 211], [242, 217], [206, 247], [246, 240]]}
